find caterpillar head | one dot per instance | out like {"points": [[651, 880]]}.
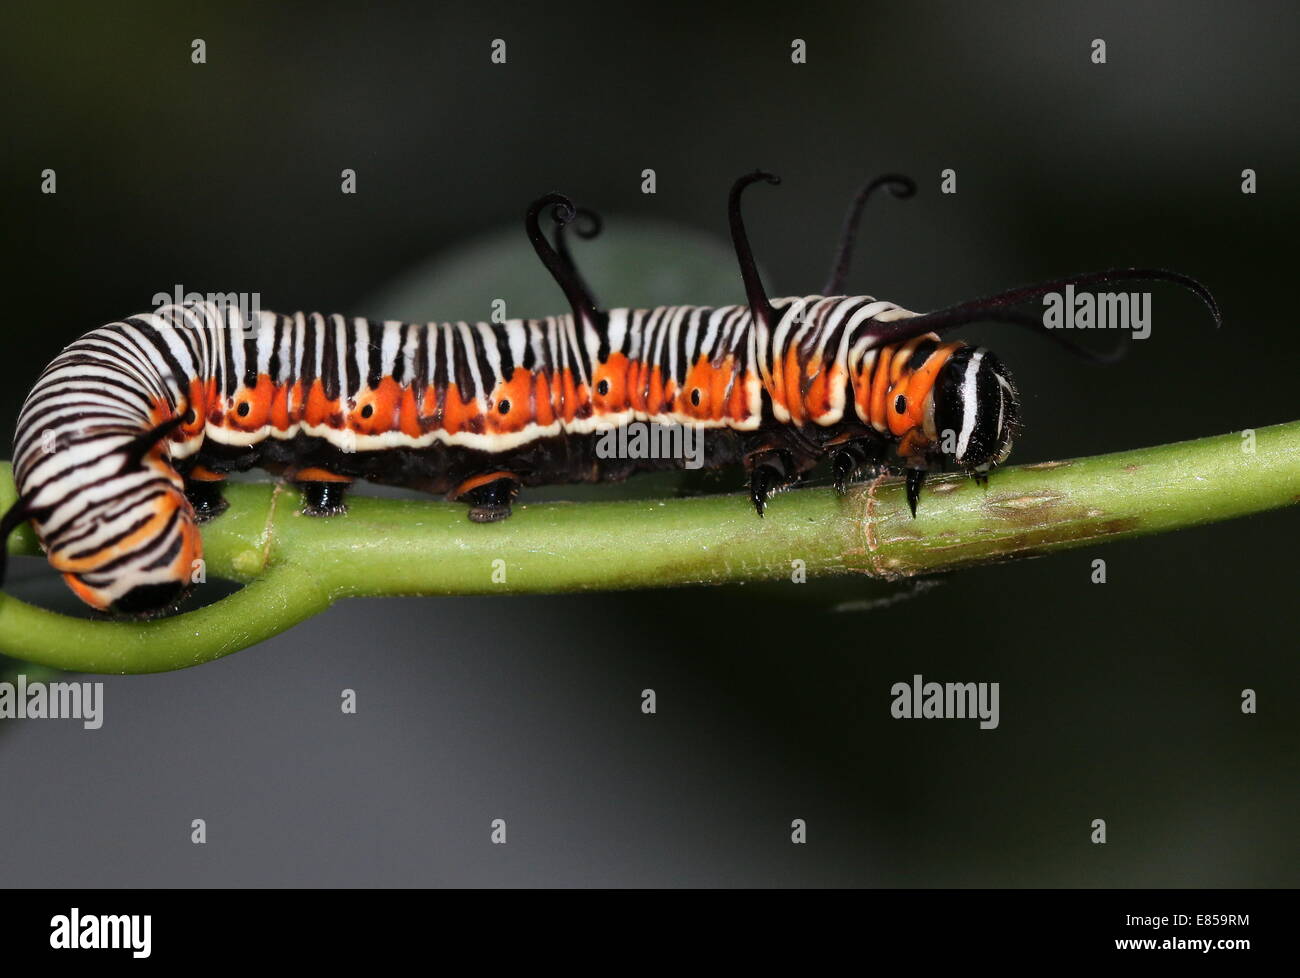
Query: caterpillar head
{"points": [[135, 552], [976, 409]]}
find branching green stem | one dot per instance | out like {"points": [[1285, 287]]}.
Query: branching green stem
{"points": [[295, 566]]}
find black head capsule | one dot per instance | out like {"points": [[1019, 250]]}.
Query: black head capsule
{"points": [[976, 410]]}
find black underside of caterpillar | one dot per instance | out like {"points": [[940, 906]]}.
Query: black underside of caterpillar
{"points": [[788, 452]]}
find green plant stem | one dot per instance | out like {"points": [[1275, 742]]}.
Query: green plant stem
{"points": [[295, 566]]}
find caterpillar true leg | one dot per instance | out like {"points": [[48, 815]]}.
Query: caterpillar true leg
{"points": [[851, 458], [489, 496], [769, 472], [915, 479]]}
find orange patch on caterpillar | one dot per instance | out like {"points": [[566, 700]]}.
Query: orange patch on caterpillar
{"points": [[212, 402], [880, 388], [584, 408], [816, 399], [901, 422], [698, 377], [515, 397], [279, 416], [252, 407], [377, 410], [650, 386], [294, 402], [792, 392], [543, 405], [638, 382], [694, 400], [460, 415], [670, 396], [721, 378], [737, 403], [912, 387], [160, 410], [655, 401], [201, 473], [613, 374], [776, 381], [197, 405], [561, 388], [319, 409], [408, 414], [316, 474], [430, 408], [573, 396], [581, 403], [922, 381], [474, 481], [862, 391]]}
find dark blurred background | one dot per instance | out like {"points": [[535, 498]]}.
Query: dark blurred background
{"points": [[1119, 701]]}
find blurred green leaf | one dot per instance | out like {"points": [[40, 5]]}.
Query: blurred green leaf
{"points": [[636, 264]]}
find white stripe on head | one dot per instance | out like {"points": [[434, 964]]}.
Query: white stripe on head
{"points": [[969, 404]]}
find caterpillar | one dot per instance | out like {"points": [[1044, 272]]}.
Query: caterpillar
{"points": [[122, 445]]}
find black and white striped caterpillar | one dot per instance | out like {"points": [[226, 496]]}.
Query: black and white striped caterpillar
{"points": [[122, 445]]}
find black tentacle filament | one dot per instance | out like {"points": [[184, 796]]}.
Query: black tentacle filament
{"points": [[759, 306], [566, 277], [900, 186]]}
